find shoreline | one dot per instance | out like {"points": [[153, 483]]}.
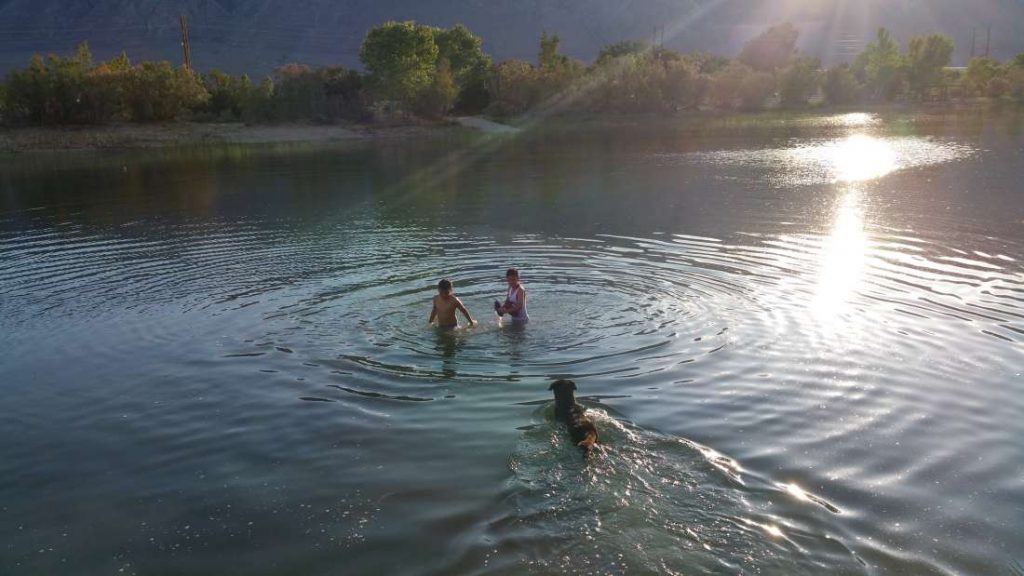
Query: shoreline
{"points": [[135, 136], [140, 136]]}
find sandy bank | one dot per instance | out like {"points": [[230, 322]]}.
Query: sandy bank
{"points": [[174, 134]]}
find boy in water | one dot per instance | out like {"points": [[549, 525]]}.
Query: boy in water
{"points": [[515, 299], [445, 305]]}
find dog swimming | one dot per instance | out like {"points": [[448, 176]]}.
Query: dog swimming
{"points": [[581, 429]]}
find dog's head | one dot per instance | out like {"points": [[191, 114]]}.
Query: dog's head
{"points": [[564, 390]]}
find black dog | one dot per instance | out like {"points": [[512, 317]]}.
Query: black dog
{"points": [[582, 430]]}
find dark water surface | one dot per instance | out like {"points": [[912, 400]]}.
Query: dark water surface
{"points": [[801, 339]]}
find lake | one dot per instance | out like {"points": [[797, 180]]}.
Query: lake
{"points": [[800, 337]]}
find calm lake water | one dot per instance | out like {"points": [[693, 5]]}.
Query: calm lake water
{"points": [[801, 339]]}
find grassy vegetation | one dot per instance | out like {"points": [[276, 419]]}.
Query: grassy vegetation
{"points": [[422, 72]]}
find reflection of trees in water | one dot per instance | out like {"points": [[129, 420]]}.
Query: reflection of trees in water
{"points": [[223, 181], [570, 178]]}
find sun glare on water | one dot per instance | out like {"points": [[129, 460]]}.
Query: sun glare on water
{"points": [[844, 251], [862, 157], [842, 261]]}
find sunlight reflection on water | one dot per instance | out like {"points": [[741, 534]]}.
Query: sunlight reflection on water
{"points": [[842, 260], [832, 310], [856, 158], [859, 157]]}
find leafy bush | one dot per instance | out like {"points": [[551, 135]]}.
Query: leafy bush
{"points": [[799, 82], [980, 72], [738, 86], [436, 100], [159, 92], [400, 58], [513, 88], [840, 85], [925, 60], [228, 96]]}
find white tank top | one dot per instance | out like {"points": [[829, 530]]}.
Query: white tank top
{"points": [[513, 297]]}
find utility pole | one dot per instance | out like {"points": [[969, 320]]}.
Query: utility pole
{"points": [[186, 47], [974, 33], [988, 40]]}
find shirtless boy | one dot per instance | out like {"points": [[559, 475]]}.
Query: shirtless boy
{"points": [[445, 305]]}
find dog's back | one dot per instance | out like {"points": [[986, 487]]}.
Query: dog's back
{"points": [[581, 429]]}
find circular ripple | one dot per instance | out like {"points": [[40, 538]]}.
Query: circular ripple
{"points": [[612, 306]]}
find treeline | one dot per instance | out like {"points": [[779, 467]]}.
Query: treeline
{"points": [[417, 71]]}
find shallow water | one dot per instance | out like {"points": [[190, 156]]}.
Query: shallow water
{"points": [[801, 339]]}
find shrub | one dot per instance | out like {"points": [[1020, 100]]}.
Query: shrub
{"points": [[437, 99], [840, 85], [799, 82], [737, 86], [513, 88], [400, 58], [158, 92]]}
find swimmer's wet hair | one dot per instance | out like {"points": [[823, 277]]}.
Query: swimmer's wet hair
{"points": [[511, 272], [444, 285]]}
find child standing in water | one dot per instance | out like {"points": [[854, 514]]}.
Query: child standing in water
{"points": [[445, 305], [515, 299]]}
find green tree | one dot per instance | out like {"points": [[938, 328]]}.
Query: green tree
{"points": [[840, 85], [50, 90], [549, 57], [513, 88], [633, 84], [158, 92], [980, 72], [738, 86], [228, 95], [799, 82], [102, 92], [437, 99], [120, 63], [755, 89], [681, 89], [470, 66], [1015, 82], [880, 66], [619, 49], [773, 49], [926, 57], [345, 93], [556, 73], [707, 63], [400, 58], [259, 104], [462, 50], [298, 94]]}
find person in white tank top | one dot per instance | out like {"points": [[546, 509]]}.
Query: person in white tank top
{"points": [[515, 299]]}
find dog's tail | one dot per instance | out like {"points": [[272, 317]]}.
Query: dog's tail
{"points": [[588, 442]]}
